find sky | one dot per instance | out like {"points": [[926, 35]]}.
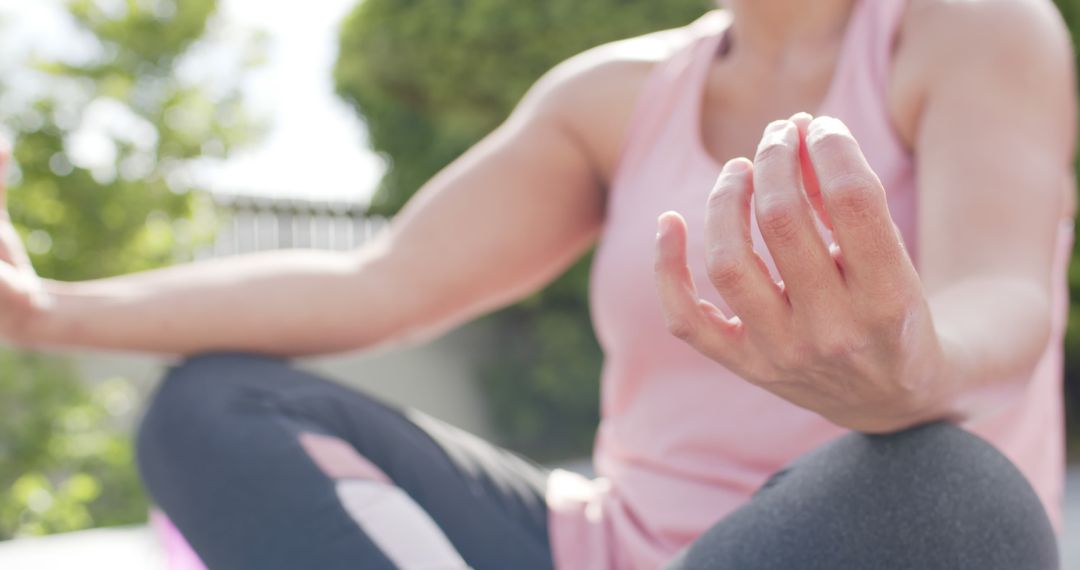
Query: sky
{"points": [[292, 92]]}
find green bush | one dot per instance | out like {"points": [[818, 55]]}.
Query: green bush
{"points": [[431, 77], [65, 459], [66, 464]]}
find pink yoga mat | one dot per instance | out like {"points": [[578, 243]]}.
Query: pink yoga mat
{"points": [[178, 553]]}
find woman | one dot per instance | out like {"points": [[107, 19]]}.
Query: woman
{"points": [[824, 316]]}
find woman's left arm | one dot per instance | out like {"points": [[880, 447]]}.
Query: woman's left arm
{"points": [[994, 149]]}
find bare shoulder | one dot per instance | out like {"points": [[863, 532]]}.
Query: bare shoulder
{"points": [[947, 43], [594, 93], [610, 67], [1025, 28]]}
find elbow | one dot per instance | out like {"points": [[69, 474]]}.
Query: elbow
{"points": [[388, 303], [1041, 333], [998, 360]]}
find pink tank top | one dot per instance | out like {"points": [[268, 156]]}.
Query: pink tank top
{"points": [[683, 441]]}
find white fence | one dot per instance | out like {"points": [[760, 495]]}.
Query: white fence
{"points": [[250, 224]]}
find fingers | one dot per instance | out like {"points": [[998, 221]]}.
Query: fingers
{"points": [[872, 248], [735, 269], [786, 221], [696, 321], [810, 181]]}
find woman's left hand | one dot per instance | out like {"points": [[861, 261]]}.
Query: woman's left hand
{"points": [[848, 332]]}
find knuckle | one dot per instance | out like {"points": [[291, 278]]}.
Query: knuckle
{"points": [[726, 270], [777, 218], [720, 197], [681, 329], [773, 149], [853, 195], [890, 313]]}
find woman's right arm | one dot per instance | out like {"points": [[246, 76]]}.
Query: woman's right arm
{"points": [[495, 225]]}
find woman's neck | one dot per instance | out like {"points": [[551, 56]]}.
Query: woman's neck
{"points": [[773, 29]]}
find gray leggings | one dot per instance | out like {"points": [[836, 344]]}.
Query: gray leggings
{"points": [[931, 498], [218, 451]]}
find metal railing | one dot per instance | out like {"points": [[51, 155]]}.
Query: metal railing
{"points": [[250, 224]]}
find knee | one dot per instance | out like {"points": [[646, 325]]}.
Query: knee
{"points": [[954, 489], [941, 458], [942, 462], [193, 403]]}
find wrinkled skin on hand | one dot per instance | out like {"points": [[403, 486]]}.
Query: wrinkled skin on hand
{"points": [[848, 332]]}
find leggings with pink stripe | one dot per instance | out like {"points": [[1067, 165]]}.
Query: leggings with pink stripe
{"points": [[262, 466]]}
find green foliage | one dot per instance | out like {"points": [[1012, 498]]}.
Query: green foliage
{"points": [[541, 380], [431, 77], [65, 460], [1070, 9], [85, 221], [65, 464]]}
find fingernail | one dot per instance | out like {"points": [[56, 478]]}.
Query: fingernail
{"points": [[778, 133], [802, 122], [829, 125], [736, 165], [663, 223]]}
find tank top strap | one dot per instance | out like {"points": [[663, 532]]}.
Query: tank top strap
{"points": [[859, 96], [670, 93], [866, 58], [887, 17]]}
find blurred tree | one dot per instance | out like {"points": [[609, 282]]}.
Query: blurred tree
{"points": [[104, 142], [103, 149], [431, 77]]}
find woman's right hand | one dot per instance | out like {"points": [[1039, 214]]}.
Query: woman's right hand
{"points": [[22, 295]]}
